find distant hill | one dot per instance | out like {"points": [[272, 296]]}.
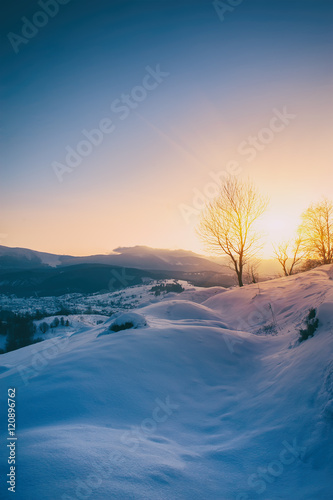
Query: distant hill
{"points": [[26, 272], [139, 257], [91, 278]]}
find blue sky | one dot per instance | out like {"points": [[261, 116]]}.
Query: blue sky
{"points": [[225, 78]]}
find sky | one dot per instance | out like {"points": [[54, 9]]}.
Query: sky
{"points": [[119, 117]]}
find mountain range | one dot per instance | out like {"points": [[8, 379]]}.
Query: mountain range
{"points": [[26, 272], [139, 257]]}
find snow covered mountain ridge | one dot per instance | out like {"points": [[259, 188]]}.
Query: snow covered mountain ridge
{"points": [[139, 257]]}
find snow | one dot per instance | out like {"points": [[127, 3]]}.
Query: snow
{"points": [[123, 319], [102, 303], [325, 314], [77, 323], [191, 404]]}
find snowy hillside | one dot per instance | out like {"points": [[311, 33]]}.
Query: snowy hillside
{"points": [[105, 303], [208, 396]]}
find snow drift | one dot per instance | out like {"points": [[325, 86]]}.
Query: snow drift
{"points": [[200, 401]]}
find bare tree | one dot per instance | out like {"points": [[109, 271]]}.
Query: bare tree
{"points": [[316, 231], [227, 223], [252, 271], [289, 255], [43, 327]]}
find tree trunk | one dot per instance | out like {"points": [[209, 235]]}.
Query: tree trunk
{"points": [[240, 277]]}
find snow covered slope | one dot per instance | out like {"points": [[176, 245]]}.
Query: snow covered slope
{"points": [[208, 398]]}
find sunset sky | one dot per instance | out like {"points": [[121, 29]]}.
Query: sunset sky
{"points": [[222, 82]]}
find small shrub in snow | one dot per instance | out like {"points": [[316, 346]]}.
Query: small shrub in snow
{"points": [[311, 325], [167, 287], [126, 321], [55, 323], [43, 327], [124, 326], [269, 329]]}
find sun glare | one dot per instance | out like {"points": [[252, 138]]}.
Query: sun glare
{"points": [[276, 228]]}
